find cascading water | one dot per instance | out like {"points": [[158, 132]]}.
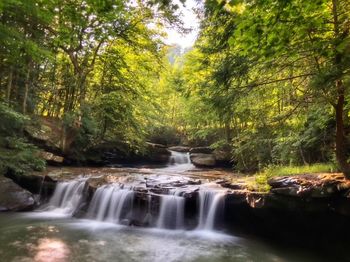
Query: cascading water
{"points": [[111, 203], [209, 203], [172, 210], [179, 162], [67, 197], [178, 158]]}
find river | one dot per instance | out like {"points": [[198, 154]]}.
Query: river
{"points": [[54, 233]]}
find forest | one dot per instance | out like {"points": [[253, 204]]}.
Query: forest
{"points": [[266, 80], [121, 140]]}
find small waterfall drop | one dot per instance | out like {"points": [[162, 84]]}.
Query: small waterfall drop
{"points": [[209, 203], [172, 211], [67, 197], [178, 162], [178, 158], [111, 203]]}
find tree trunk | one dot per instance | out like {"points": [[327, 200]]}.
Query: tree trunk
{"points": [[340, 140], [9, 87], [26, 91]]}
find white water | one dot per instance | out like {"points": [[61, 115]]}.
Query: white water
{"points": [[172, 211], [179, 162], [111, 203], [67, 198], [209, 203]]}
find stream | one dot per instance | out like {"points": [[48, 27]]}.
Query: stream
{"points": [[106, 231]]}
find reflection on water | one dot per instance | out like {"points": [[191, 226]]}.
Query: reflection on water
{"points": [[51, 250], [26, 238]]}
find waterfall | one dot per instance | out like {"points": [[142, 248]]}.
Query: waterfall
{"points": [[67, 197], [177, 158], [117, 203], [209, 202], [172, 209], [178, 162], [111, 203]]}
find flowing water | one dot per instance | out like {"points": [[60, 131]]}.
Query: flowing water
{"points": [[105, 233], [172, 208]]}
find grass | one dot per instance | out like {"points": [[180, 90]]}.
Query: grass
{"points": [[262, 177]]}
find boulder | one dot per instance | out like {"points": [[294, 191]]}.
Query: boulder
{"points": [[34, 183], [46, 133], [222, 157], [179, 148], [13, 197], [157, 153], [202, 150], [203, 160], [52, 158]]}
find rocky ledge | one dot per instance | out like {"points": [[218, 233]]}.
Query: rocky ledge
{"points": [[310, 206], [13, 197]]}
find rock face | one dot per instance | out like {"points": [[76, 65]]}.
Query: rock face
{"points": [[311, 186], [52, 158], [207, 157], [47, 134], [223, 157], [202, 150], [157, 153], [180, 148], [36, 184], [13, 197], [203, 160]]}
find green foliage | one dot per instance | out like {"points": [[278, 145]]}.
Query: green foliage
{"points": [[11, 122], [15, 152], [262, 177], [18, 155]]}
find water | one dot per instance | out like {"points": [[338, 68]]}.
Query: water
{"points": [[210, 202], [111, 203], [67, 198], [53, 233], [24, 239], [179, 162], [172, 211]]}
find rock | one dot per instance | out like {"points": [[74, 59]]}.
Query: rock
{"points": [[222, 157], [202, 150], [157, 153], [36, 184], [153, 145], [46, 134], [51, 158], [114, 153], [179, 148], [310, 185], [13, 197], [203, 160]]}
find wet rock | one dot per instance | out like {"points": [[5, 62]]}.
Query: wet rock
{"points": [[180, 148], [36, 184], [203, 160], [13, 197], [202, 150]]}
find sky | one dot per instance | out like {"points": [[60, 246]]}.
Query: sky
{"points": [[190, 21]]}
